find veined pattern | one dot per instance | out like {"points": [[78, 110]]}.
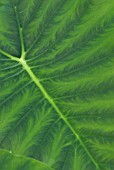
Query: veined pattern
{"points": [[57, 85]]}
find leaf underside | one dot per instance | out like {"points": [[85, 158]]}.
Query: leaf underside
{"points": [[57, 85]]}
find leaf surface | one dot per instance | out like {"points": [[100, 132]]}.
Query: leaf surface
{"points": [[57, 84]]}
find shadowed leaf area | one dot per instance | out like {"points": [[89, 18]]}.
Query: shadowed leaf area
{"points": [[57, 85]]}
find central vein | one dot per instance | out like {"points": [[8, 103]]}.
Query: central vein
{"points": [[50, 100]]}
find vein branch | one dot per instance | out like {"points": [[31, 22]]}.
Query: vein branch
{"points": [[24, 157], [20, 29], [9, 55]]}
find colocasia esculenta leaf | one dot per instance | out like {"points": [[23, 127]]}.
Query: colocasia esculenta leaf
{"points": [[57, 85]]}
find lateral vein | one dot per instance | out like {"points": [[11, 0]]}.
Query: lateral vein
{"points": [[9, 55], [25, 157], [20, 29]]}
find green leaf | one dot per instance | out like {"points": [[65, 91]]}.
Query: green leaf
{"points": [[57, 84]]}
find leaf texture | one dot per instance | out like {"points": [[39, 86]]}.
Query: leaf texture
{"points": [[57, 84]]}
